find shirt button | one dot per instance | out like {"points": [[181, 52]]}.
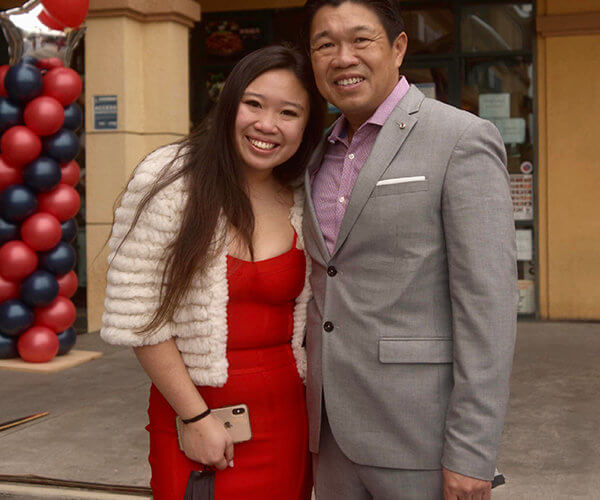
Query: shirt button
{"points": [[341, 199], [328, 326], [331, 271], [351, 156]]}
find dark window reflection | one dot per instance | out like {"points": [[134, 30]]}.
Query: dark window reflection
{"points": [[486, 75], [429, 31], [502, 91], [432, 81], [490, 28]]}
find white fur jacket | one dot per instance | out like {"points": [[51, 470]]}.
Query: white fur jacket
{"points": [[199, 325]]}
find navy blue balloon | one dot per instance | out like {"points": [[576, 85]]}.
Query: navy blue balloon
{"points": [[60, 260], [23, 82], [15, 317], [8, 348], [73, 116], [69, 230], [29, 60], [17, 203], [11, 114], [8, 231], [42, 174], [62, 146], [66, 341], [39, 289]]}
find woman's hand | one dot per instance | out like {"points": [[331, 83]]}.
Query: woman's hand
{"points": [[208, 442], [205, 441]]}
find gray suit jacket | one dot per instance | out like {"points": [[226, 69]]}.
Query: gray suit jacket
{"points": [[422, 297]]}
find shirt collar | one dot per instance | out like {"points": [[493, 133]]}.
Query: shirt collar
{"points": [[379, 117]]}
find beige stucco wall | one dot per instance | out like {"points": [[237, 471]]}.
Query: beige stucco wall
{"points": [[569, 170], [139, 52]]}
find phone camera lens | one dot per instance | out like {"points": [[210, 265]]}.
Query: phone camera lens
{"points": [[238, 411]]}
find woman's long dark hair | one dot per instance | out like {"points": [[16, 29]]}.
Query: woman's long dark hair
{"points": [[213, 174]]}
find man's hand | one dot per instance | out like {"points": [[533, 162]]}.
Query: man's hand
{"points": [[459, 487]]}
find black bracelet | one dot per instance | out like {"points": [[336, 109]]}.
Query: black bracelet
{"points": [[197, 417]]}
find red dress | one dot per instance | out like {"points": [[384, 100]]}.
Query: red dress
{"points": [[275, 463]]}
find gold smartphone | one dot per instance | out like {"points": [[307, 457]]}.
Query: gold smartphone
{"points": [[236, 420]]}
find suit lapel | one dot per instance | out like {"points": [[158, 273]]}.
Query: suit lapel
{"points": [[311, 224], [389, 141]]}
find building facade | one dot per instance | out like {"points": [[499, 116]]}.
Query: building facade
{"points": [[531, 67]]}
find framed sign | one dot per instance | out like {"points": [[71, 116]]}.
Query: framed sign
{"points": [[105, 112]]}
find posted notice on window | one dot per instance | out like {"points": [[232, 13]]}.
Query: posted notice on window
{"points": [[521, 191], [524, 244], [494, 105]]}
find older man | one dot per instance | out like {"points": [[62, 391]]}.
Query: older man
{"points": [[409, 225]]}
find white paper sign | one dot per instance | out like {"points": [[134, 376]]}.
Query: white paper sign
{"points": [[524, 244], [526, 296], [512, 130], [494, 105]]}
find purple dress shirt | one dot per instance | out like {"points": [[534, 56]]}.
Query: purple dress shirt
{"points": [[332, 183]]}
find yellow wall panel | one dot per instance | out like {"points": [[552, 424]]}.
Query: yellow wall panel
{"points": [[571, 7], [573, 176]]}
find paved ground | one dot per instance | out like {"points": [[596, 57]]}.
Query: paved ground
{"points": [[95, 432], [551, 444]]}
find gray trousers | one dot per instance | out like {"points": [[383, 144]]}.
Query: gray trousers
{"points": [[337, 478]]}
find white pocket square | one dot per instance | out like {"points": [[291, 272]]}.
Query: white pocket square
{"points": [[400, 180]]}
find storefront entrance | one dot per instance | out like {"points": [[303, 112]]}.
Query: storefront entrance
{"points": [[477, 56]]}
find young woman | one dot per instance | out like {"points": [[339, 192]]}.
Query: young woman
{"points": [[208, 282]]}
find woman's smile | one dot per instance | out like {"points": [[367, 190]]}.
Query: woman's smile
{"points": [[270, 121]]}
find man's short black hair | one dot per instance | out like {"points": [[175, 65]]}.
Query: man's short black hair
{"points": [[388, 12]]}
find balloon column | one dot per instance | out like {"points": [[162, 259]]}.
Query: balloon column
{"points": [[38, 173]]}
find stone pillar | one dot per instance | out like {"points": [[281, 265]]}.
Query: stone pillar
{"points": [[138, 51]]}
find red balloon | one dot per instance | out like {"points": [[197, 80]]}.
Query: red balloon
{"points": [[44, 115], [50, 63], [53, 62], [71, 13], [64, 84], [20, 145], [63, 202], [8, 290], [57, 316], [9, 175], [70, 173], [67, 284], [17, 261], [41, 231], [3, 69], [38, 345], [49, 21]]}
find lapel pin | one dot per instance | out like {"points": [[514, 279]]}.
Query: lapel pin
{"points": [[402, 125]]}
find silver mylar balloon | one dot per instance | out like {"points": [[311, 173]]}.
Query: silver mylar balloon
{"points": [[28, 36]]}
